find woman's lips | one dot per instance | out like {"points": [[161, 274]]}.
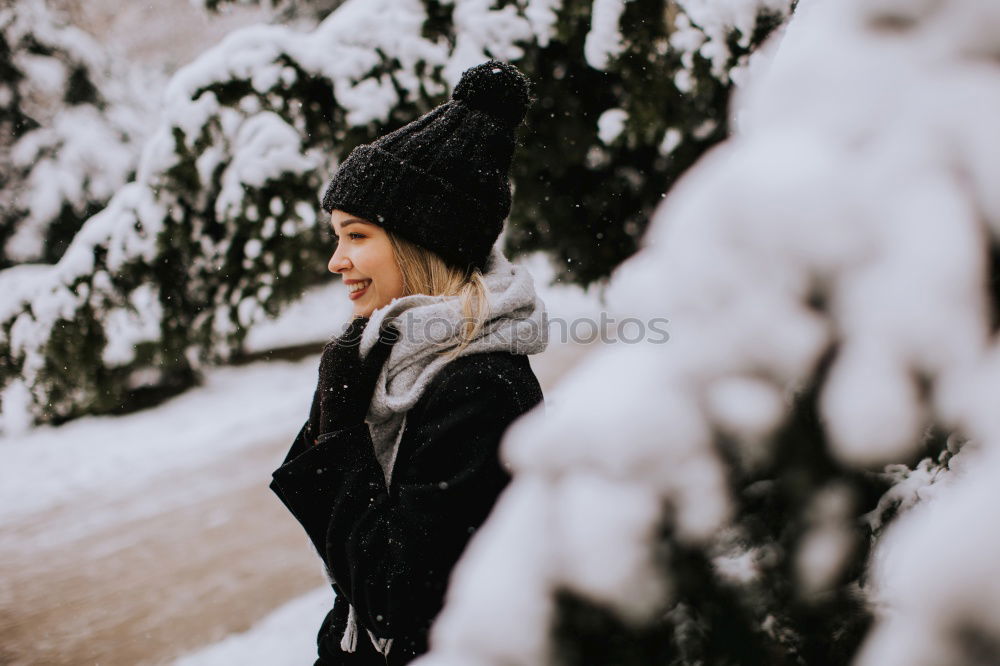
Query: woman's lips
{"points": [[354, 295]]}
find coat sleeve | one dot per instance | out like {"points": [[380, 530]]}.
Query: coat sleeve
{"points": [[390, 551], [299, 446]]}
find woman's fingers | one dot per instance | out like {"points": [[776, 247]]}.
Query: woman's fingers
{"points": [[346, 382], [352, 336]]}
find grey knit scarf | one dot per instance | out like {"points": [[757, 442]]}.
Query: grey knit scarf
{"points": [[429, 325]]}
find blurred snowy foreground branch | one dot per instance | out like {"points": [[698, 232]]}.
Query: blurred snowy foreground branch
{"points": [[827, 275]]}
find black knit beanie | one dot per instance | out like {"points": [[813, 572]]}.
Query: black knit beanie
{"points": [[441, 181]]}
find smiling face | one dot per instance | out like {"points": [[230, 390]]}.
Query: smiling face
{"points": [[366, 262]]}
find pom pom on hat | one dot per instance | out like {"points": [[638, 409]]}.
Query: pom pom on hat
{"points": [[497, 89]]}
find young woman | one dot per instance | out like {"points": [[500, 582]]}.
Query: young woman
{"points": [[398, 464]]}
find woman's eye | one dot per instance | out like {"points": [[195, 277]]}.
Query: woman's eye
{"points": [[353, 235]]}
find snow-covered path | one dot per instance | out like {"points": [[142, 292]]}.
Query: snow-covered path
{"points": [[136, 549], [145, 590]]}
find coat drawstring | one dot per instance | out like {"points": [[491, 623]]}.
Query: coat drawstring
{"points": [[349, 641]]}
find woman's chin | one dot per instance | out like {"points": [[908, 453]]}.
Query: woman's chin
{"points": [[363, 309]]}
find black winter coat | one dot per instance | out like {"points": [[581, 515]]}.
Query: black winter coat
{"points": [[389, 552]]}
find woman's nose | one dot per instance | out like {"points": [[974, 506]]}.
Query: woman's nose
{"points": [[339, 262]]}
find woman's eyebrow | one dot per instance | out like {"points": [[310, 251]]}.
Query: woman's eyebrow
{"points": [[348, 223]]}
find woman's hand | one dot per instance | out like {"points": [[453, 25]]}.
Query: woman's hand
{"points": [[346, 382]]}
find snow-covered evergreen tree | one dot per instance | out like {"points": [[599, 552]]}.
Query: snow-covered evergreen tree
{"points": [[71, 122], [613, 129], [828, 273], [219, 228]]}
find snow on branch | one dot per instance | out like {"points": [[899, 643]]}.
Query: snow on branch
{"points": [[72, 120]]}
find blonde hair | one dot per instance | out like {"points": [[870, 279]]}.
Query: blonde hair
{"points": [[426, 273]]}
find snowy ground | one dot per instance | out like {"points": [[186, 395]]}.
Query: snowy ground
{"points": [[143, 538], [285, 637]]}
